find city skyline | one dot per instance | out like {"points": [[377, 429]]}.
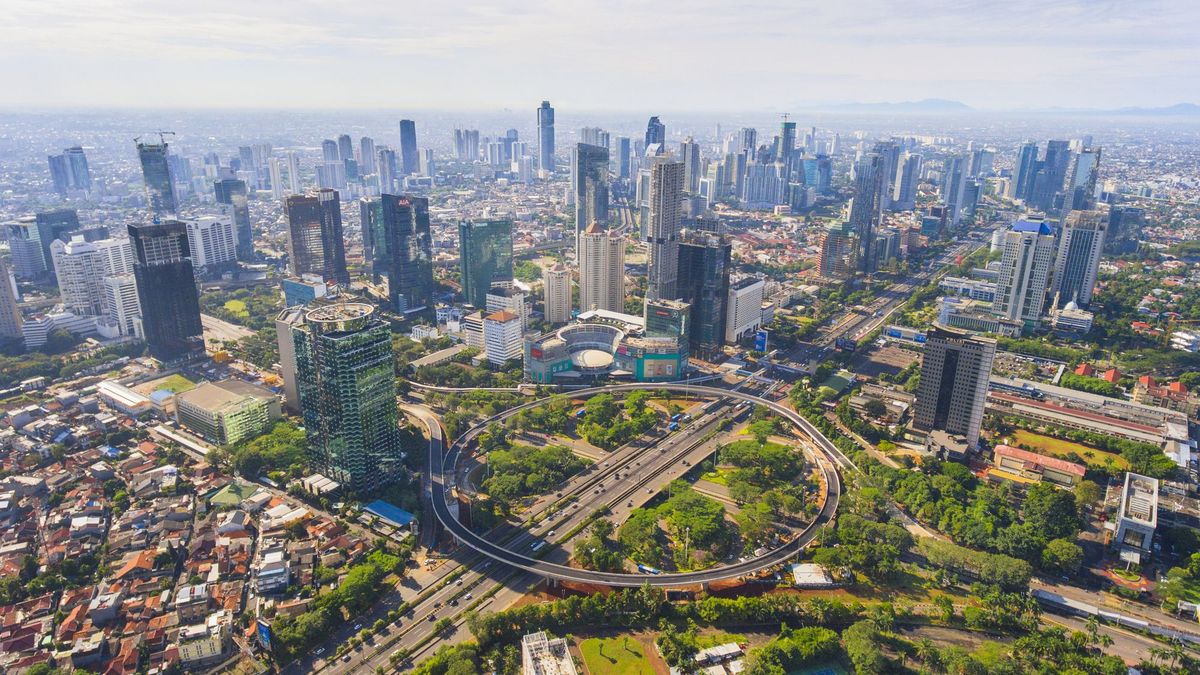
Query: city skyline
{"points": [[991, 56]]}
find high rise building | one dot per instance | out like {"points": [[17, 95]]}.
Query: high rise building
{"points": [[1048, 182], [689, 151], [955, 370], [889, 155], [656, 132], [662, 228], [121, 303], [1078, 259], [954, 187], [79, 268], [156, 171], [1081, 186], [905, 196], [1124, 229], [834, 260], [315, 244], [330, 154], [981, 162], [589, 182], [1024, 271], [367, 155], [485, 250], [275, 171], [402, 249], [704, 267], [10, 311], [669, 319], [601, 270], [60, 174], [747, 140], [166, 288], [623, 157], [409, 157], [386, 169], [865, 208], [28, 260], [786, 145], [213, 242], [502, 332], [115, 254], [345, 146], [293, 173], [69, 171], [556, 286], [232, 193], [51, 225], [346, 385], [545, 138], [1026, 168]]}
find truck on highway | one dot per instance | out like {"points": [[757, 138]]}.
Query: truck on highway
{"points": [[673, 426]]}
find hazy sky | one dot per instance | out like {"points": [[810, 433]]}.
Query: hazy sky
{"points": [[615, 54]]}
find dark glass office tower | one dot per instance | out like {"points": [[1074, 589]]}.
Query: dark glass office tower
{"points": [[485, 250], [156, 171], [166, 288], [403, 250], [704, 283], [410, 162], [315, 244], [232, 192], [1048, 182], [656, 132], [545, 137], [955, 371], [55, 224], [346, 385], [589, 180], [866, 207]]}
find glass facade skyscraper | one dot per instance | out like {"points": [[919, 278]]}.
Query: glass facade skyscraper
{"points": [[346, 384], [232, 192], [166, 288], [485, 250], [589, 180], [315, 244], [409, 159], [704, 283], [402, 249], [545, 137], [156, 171]]}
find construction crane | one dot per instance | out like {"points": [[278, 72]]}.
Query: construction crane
{"points": [[162, 136]]}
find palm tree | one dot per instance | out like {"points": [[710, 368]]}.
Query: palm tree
{"points": [[927, 652], [819, 608]]}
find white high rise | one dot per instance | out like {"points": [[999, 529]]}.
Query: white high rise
{"points": [[1024, 271], [662, 228], [601, 270], [293, 173], [10, 312], [556, 284], [502, 337], [213, 242], [1078, 259], [121, 303], [117, 255], [79, 269], [276, 170]]}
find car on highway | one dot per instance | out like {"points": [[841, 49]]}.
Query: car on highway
{"points": [[454, 602], [432, 617], [357, 627], [550, 533], [346, 658], [320, 651]]}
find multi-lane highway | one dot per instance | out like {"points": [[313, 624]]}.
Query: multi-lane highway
{"points": [[822, 452]]}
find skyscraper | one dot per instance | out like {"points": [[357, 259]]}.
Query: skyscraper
{"points": [[1048, 182], [787, 143], [54, 224], [213, 243], [409, 157], [704, 267], [689, 151], [315, 244], [623, 157], [1124, 228], [669, 319], [1078, 260], [485, 250], [293, 173], [346, 385], [662, 228], [1081, 186], [232, 192], [865, 208], [955, 370], [69, 171], [545, 138], [386, 169], [601, 270], [656, 132], [835, 256], [28, 261], [10, 311], [747, 140], [1024, 271], [345, 146], [889, 154], [79, 269], [556, 286], [1026, 168], [402, 248], [905, 196], [121, 304], [166, 287], [156, 171], [954, 187], [367, 157], [589, 181]]}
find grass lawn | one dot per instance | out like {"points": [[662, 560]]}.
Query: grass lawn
{"points": [[615, 656], [173, 383], [1060, 448], [237, 307], [720, 476]]}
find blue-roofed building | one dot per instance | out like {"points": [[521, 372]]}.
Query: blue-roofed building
{"points": [[1025, 272], [391, 514], [1036, 226]]}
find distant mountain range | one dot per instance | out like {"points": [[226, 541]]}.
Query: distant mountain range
{"points": [[925, 106], [941, 106]]}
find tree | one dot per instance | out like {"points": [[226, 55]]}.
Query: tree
{"points": [[1086, 493], [1050, 511], [875, 408], [1062, 555]]}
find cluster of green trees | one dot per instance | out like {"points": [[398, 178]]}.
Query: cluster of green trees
{"points": [[29, 582], [860, 545], [949, 497], [1091, 385], [1040, 348], [261, 348], [1183, 582], [766, 473], [792, 648], [523, 470], [527, 271], [552, 417], [459, 373], [598, 550], [254, 307], [990, 568], [358, 590], [1144, 458], [695, 524], [282, 449], [607, 425], [49, 362]]}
